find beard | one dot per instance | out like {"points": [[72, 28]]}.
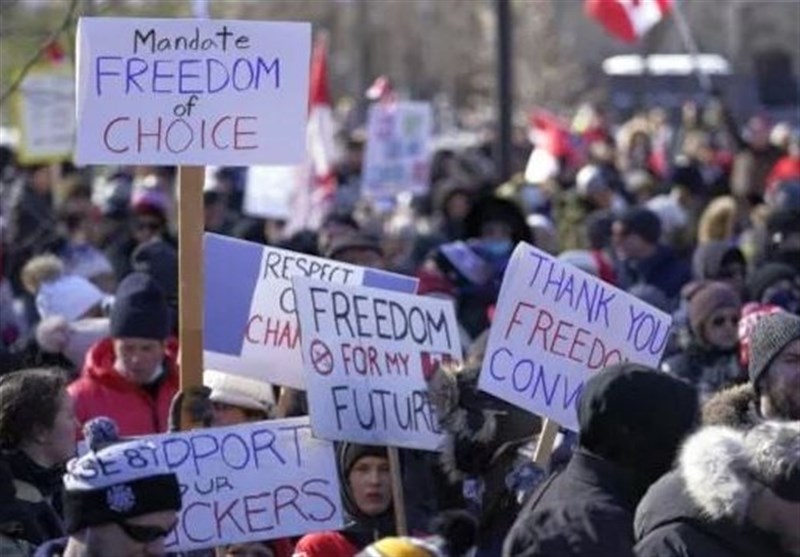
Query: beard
{"points": [[783, 403]]}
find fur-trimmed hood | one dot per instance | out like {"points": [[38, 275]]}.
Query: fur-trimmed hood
{"points": [[735, 407]]}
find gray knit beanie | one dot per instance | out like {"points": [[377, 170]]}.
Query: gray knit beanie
{"points": [[769, 337]]}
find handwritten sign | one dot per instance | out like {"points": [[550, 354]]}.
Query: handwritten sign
{"points": [[192, 91], [45, 110], [555, 326], [397, 156], [251, 326], [367, 354]]}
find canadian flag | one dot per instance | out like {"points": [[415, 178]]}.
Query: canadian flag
{"points": [[628, 20]]}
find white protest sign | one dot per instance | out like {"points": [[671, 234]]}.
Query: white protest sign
{"points": [[555, 326], [250, 323], [191, 91], [45, 108], [397, 156], [249, 482], [368, 354], [269, 190]]}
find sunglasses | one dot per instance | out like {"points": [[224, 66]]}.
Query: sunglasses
{"points": [[144, 534], [720, 320]]}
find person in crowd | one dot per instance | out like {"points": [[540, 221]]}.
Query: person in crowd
{"points": [[643, 259], [720, 261], [774, 369], [334, 225], [159, 259], [776, 284], [783, 234], [711, 360], [357, 249], [237, 400], [128, 512], [732, 494], [754, 160], [79, 220], [631, 421], [367, 498], [37, 437], [452, 201], [132, 375], [720, 221]]}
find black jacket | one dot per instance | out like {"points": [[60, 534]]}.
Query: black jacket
{"points": [[584, 511], [669, 524]]}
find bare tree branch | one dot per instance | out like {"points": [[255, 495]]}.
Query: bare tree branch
{"points": [[65, 24]]}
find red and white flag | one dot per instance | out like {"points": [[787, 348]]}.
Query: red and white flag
{"points": [[628, 20]]}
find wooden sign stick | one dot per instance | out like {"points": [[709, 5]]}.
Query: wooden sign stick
{"points": [[398, 500], [190, 264], [544, 447]]}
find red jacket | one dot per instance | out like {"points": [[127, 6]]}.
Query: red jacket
{"points": [[102, 391], [325, 544]]}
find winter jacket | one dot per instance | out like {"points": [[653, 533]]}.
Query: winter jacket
{"points": [[709, 370], [29, 496], [53, 548], [680, 516], [736, 407], [664, 269], [102, 391], [584, 511]]}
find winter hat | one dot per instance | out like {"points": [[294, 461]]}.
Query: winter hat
{"points": [[140, 309], [590, 181], [752, 313], [709, 259], [350, 453], [705, 298], [160, 260], [69, 296], [765, 276], [642, 222], [770, 336], [653, 405], [73, 339], [117, 482], [239, 391], [354, 240], [403, 547]]}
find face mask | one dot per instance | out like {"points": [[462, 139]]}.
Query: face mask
{"points": [[497, 247]]}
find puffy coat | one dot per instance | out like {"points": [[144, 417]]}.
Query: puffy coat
{"points": [[102, 391], [584, 511], [681, 516]]}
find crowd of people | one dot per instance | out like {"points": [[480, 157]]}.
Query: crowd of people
{"points": [[696, 214]]}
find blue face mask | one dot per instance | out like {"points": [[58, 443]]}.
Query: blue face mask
{"points": [[496, 247]]}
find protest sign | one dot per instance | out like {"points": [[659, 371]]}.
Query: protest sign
{"points": [[368, 354], [397, 156], [45, 114], [555, 326], [251, 326], [190, 91], [269, 190]]}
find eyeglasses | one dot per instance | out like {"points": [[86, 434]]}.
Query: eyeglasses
{"points": [[144, 534], [720, 320]]}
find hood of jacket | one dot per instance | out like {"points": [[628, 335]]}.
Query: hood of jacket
{"points": [[735, 407], [100, 366]]}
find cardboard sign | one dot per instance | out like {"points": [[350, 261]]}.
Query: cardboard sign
{"points": [[192, 91], [555, 326], [397, 156], [45, 110], [251, 482], [251, 326], [367, 354]]}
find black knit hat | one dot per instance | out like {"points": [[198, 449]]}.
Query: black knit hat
{"points": [[350, 453], [769, 337], [765, 276], [642, 222], [140, 309]]}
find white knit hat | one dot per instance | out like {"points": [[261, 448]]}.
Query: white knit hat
{"points": [[69, 296], [239, 391]]}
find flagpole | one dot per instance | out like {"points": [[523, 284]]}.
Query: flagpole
{"points": [[691, 46]]}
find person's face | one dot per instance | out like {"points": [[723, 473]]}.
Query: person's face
{"points": [[146, 228], [137, 359], [370, 484], [113, 539], [627, 245], [273, 230], [42, 179], [226, 414], [246, 550], [458, 206], [59, 441], [361, 256], [721, 328], [781, 389]]}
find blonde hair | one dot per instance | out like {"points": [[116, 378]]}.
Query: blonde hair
{"points": [[718, 221], [41, 269]]}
